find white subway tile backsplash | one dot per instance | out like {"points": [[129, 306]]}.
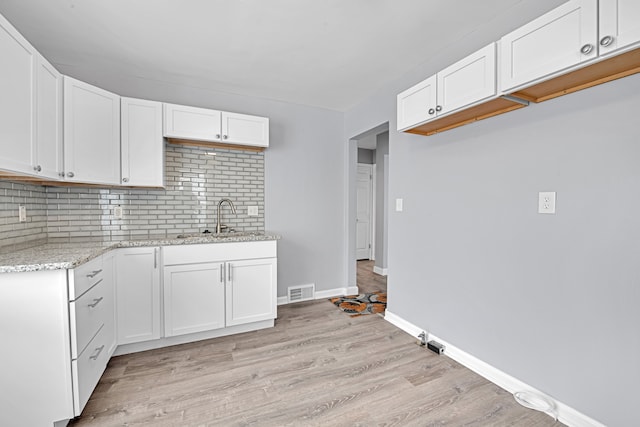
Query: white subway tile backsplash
{"points": [[195, 182]]}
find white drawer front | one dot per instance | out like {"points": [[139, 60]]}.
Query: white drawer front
{"points": [[88, 313], [88, 369], [214, 252], [84, 277]]}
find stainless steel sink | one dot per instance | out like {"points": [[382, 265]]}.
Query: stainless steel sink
{"points": [[214, 236]]}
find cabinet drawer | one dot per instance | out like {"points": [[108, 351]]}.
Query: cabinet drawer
{"points": [[88, 313], [88, 368], [84, 277], [215, 252]]}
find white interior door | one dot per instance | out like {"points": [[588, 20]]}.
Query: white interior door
{"points": [[364, 211]]}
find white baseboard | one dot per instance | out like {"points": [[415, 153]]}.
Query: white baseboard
{"points": [[326, 294], [565, 413], [379, 270]]}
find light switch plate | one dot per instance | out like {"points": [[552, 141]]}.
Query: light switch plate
{"points": [[547, 202], [22, 213], [399, 203], [252, 211]]}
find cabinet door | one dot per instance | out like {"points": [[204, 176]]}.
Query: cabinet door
{"points": [[243, 129], [468, 81], [48, 149], [91, 133], [417, 104], [251, 291], [109, 284], [142, 143], [619, 24], [17, 100], [193, 298], [137, 295], [554, 42], [192, 123]]}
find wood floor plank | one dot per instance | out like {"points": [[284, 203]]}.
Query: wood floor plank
{"points": [[317, 367]]}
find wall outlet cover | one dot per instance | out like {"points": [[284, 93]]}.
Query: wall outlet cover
{"points": [[547, 202], [399, 205], [22, 213], [252, 210], [117, 212]]}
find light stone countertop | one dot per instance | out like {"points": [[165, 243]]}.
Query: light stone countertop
{"points": [[59, 256]]}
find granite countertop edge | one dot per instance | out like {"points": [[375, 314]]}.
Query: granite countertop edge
{"points": [[63, 256]]}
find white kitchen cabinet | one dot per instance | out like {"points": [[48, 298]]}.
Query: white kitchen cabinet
{"points": [[194, 298], [17, 100], [142, 144], [619, 25], [91, 133], [556, 41], [243, 129], [469, 81], [210, 286], [251, 291], [137, 295], [48, 154], [200, 124]]}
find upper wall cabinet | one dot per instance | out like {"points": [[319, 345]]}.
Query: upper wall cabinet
{"points": [[200, 124], [461, 93], [91, 133], [48, 153], [17, 100], [619, 24], [554, 42], [142, 145]]}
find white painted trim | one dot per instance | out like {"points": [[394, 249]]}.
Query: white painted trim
{"points": [[326, 294], [372, 251], [565, 413], [379, 270]]}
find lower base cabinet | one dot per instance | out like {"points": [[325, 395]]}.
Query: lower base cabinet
{"points": [[251, 291]]}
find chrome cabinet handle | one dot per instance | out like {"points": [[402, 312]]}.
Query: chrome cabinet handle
{"points": [[217, 136], [37, 168], [439, 108], [606, 41], [221, 273], [125, 179], [155, 258], [96, 301], [586, 49], [70, 174], [229, 272], [432, 111], [97, 352], [225, 137], [94, 273]]}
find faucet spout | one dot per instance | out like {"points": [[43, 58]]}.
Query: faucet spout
{"points": [[233, 210]]}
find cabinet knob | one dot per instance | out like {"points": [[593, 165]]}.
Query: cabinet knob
{"points": [[224, 137], [71, 174], [61, 174], [606, 41], [125, 179], [439, 108], [37, 168], [432, 111], [217, 136], [586, 49]]}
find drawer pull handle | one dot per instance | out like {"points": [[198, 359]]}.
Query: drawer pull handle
{"points": [[94, 273], [96, 301], [97, 352]]}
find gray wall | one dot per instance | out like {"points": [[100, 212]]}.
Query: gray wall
{"points": [[366, 156], [382, 205], [536, 296]]}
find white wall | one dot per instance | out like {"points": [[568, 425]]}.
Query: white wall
{"points": [[549, 299], [304, 174]]}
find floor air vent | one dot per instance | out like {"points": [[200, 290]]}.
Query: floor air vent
{"points": [[301, 293]]}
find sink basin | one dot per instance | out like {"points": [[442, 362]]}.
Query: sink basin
{"points": [[220, 235]]}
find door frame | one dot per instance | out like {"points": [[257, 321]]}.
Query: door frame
{"points": [[371, 168]]}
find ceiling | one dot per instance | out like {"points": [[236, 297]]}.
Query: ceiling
{"points": [[324, 53]]}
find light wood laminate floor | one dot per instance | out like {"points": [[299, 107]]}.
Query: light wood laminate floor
{"points": [[316, 367], [367, 280]]}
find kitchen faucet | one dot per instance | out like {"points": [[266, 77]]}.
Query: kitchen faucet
{"points": [[233, 209]]}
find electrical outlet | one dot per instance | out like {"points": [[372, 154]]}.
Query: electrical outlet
{"points": [[22, 213], [547, 202], [252, 211], [399, 205], [117, 212]]}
